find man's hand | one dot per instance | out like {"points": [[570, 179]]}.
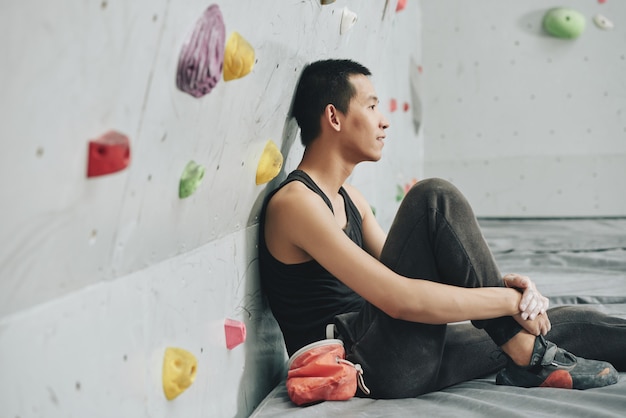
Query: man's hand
{"points": [[539, 326], [532, 303]]}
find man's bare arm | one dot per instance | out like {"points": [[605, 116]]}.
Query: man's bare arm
{"points": [[373, 235], [374, 239]]}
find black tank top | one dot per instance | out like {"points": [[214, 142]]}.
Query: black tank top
{"points": [[305, 297]]}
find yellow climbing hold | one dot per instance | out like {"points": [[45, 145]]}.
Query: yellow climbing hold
{"points": [[270, 163], [179, 371], [238, 57]]}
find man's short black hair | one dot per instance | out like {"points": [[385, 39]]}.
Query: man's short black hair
{"points": [[322, 83]]}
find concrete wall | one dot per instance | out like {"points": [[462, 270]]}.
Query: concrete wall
{"points": [[98, 276], [524, 123]]}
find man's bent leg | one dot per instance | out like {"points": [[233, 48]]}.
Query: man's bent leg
{"points": [[589, 333], [400, 359], [435, 236]]}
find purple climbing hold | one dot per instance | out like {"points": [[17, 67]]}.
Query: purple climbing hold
{"points": [[202, 55]]}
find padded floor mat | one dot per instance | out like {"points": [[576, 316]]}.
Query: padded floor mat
{"points": [[580, 261]]}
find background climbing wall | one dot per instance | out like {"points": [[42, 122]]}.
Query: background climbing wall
{"points": [[524, 123], [98, 276]]}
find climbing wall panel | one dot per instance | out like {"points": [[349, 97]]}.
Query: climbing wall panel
{"points": [[524, 122], [130, 205]]}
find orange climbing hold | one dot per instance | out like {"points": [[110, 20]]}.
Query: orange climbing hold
{"points": [[108, 154], [179, 371], [235, 333]]}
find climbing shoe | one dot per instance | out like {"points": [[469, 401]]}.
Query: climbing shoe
{"points": [[551, 366]]}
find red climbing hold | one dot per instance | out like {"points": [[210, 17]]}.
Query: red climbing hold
{"points": [[393, 105], [235, 333], [401, 5], [108, 154], [405, 107]]}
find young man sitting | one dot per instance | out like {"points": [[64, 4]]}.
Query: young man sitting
{"points": [[324, 259]]}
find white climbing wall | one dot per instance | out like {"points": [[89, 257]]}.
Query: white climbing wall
{"points": [[98, 276], [524, 123]]}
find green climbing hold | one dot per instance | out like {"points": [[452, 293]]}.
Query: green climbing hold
{"points": [[399, 193], [564, 23], [190, 180]]}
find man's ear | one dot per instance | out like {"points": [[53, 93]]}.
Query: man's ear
{"points": [[332, 116]]}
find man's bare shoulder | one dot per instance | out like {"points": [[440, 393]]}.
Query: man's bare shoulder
{"points": [[357, 197], [292, 196], [294, 215]]}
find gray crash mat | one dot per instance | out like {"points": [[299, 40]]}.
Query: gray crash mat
{"points": [[574, 261]]}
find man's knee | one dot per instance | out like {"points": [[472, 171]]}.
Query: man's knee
{"points": [[436, 186], [441, 195]]}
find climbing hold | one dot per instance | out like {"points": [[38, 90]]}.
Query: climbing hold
{"points": [[402, 191], [238, 57], [190, 180], [399, 193], [393, 105], [415, 72], [327, 1], [108, 154], [348, 19], [409, 185], [564, 23], [202, 55], [405, 106], [179, 371], [401, 5], [602, 22], [235, 333], [270, 163]]}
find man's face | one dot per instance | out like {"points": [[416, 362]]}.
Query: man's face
{"points": [[364, 125]]}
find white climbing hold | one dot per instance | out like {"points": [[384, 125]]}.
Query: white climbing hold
{"points": [[602, 22], [348, 19]]}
